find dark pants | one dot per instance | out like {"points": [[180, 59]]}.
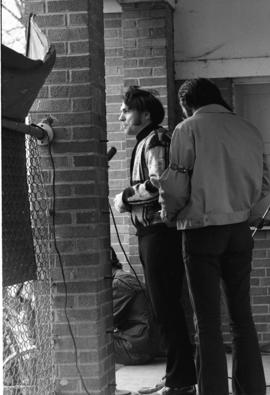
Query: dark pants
{"points": [[161, 257], [211, 254]]}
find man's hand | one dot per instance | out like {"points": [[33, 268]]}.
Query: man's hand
{"points": [[168, 220], [119, 204]]}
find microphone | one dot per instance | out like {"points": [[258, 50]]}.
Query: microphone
{"points": [[110, 154]]}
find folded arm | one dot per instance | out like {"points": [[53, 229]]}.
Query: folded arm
{"points": [[175, 181]]}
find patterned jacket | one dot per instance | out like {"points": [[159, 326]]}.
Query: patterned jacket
{"points": [[149, 159]]}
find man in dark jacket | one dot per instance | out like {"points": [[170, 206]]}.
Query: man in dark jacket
{"points": [[159, 245]]}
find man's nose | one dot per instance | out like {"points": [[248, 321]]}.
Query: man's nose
{"points": [[121, 117]]}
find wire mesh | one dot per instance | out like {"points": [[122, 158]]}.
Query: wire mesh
{"points": [[27, 309]]}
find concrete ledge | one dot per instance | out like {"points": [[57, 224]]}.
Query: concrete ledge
{"points": [[221, 68], [172, 3], [114, 6]]}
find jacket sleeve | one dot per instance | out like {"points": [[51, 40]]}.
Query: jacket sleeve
{"points": [[175, 182], [261, 207], [147, 191]]}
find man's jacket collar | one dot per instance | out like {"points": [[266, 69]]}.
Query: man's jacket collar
{"points": [[144, 132], [212, 108]]}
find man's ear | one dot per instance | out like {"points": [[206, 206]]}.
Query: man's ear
{"points": [[147, 115]]}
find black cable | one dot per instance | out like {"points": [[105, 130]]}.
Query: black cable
{"points": [[28, 34], [121, 245], [63, 273], [259, 223]]}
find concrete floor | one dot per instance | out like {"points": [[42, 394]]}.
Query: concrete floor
{"points": [[132, 378]]}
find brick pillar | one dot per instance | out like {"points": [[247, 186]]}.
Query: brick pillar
{"points": [[139, 51], [75, 95]]}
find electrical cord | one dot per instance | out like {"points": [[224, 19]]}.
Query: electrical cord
{"points": [[124, 252], [63, 273]]}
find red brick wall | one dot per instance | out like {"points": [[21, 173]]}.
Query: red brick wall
{"points": [[75, 95]]}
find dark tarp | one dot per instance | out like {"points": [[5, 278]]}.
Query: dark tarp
{"points": [[22, 78]]}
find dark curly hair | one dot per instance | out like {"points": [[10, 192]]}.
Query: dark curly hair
{"points": [[200, 92], [142, 100]]}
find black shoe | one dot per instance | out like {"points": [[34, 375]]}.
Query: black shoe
{"points": [[190, 390]]}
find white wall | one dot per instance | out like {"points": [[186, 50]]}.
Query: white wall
{"points": [[222, 38], [111, 6]]}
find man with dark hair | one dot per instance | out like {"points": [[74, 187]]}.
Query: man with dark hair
{"points": [[159, 244], [217, 160], [136, 339]]}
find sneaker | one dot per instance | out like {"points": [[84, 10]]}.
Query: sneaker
{"points": [[190, 390]]}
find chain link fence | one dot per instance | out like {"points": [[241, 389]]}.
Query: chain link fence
{"points": [[27, 306]]}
